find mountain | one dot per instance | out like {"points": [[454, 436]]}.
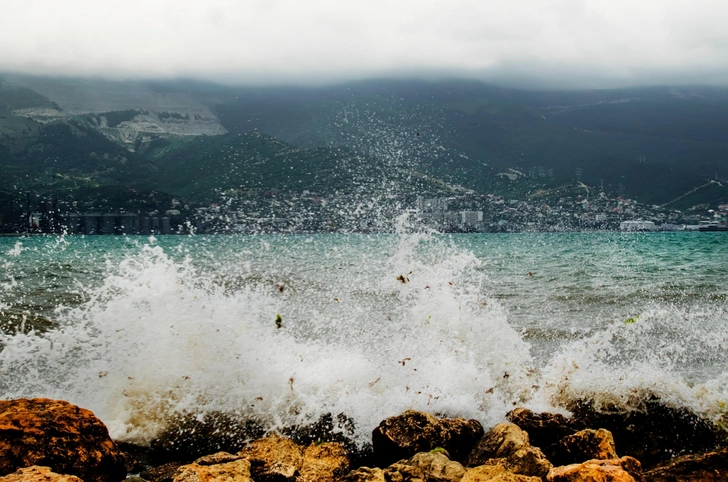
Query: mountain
{"points": [[660, 145]]}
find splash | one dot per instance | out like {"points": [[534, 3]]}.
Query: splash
{"points": [[284, 329]]}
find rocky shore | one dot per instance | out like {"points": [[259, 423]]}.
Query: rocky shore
{"points": [[55, 441]]}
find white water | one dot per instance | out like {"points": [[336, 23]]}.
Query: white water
{"points": [[165, 334]]}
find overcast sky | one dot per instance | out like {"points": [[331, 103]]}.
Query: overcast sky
{"points": [[584, 43]]}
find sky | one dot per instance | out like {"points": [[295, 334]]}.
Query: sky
{"points": [[556, 43]]}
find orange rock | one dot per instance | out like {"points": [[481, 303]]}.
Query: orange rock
{"points": [[495, 473], [625, 469], [57, 434], [584, 445], [274, 458], [38, 474], [326, 462], [226, 471]]}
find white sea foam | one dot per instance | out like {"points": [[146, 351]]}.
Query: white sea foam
{"points": [[367, 329]]}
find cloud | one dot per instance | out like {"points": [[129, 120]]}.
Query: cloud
{"points": [[556, 42]]}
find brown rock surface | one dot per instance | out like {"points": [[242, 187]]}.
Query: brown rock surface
{"points": [[274, 459], [404, 435], [543, 429], [528, 461], [708, 467], [625, 469], [57, 434], [38, 474], [231, 471], [326, 462], [510, 445], [437, 467], [499, 442], [495, 473], [365, 474], [584, 445]]}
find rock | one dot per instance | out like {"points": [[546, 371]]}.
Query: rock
{"points": [[161, 473], [326, 462], [652, 431], [403, 472], [57, 434], [437, 467], [544, 429], [401, 437], [626, 469], [232, 471], [365, 474], [510, 445], [499, 442], [495, 473], [218, 458], [274, 459], [708, 467], [583, 445], [38, 474], [528, 461], [459, 436]]}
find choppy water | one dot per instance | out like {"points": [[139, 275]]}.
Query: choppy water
{"points": [[138, 329]]}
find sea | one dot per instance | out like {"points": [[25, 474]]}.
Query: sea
{"points": [[282, 329]]}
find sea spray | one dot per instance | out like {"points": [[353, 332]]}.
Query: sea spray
{"points": [[158, 329]]}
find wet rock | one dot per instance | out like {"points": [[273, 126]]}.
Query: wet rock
{"points": [[544, 429], [230, 471], [708, 467], [459, 436], [190, 436], [38, 474], [57, 434], [274, 459], [404, 435], [499, 442], [437, 467], [528, 461], [583, 445], [161, 473], [365, 474], [325, 462], [218, 458], [495, 473], [510, 445], [626, 469], [651, 431]]}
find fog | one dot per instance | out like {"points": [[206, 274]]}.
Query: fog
{"points": [[545, 43]]}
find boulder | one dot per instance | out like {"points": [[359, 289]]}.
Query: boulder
{"points": [[528, 461], [274, 459], [227, 469], [459, 436], [365, 474], [495, 473], [161, 473], [59, 435], [583, 445], [437, 467], [327, 462], [499, 442], [544, 429], [625, 469], [707, 467], [652, 431], [507, 443], [218, 458], [404, 435], [38, 474]]}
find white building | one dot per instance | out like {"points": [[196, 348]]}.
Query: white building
{"points": [[471, 218], [639, 225]]}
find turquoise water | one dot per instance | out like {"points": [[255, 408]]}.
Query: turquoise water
{"points": [[140, 328]]}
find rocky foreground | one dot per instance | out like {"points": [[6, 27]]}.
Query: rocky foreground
{"points": [[55, 441]]}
